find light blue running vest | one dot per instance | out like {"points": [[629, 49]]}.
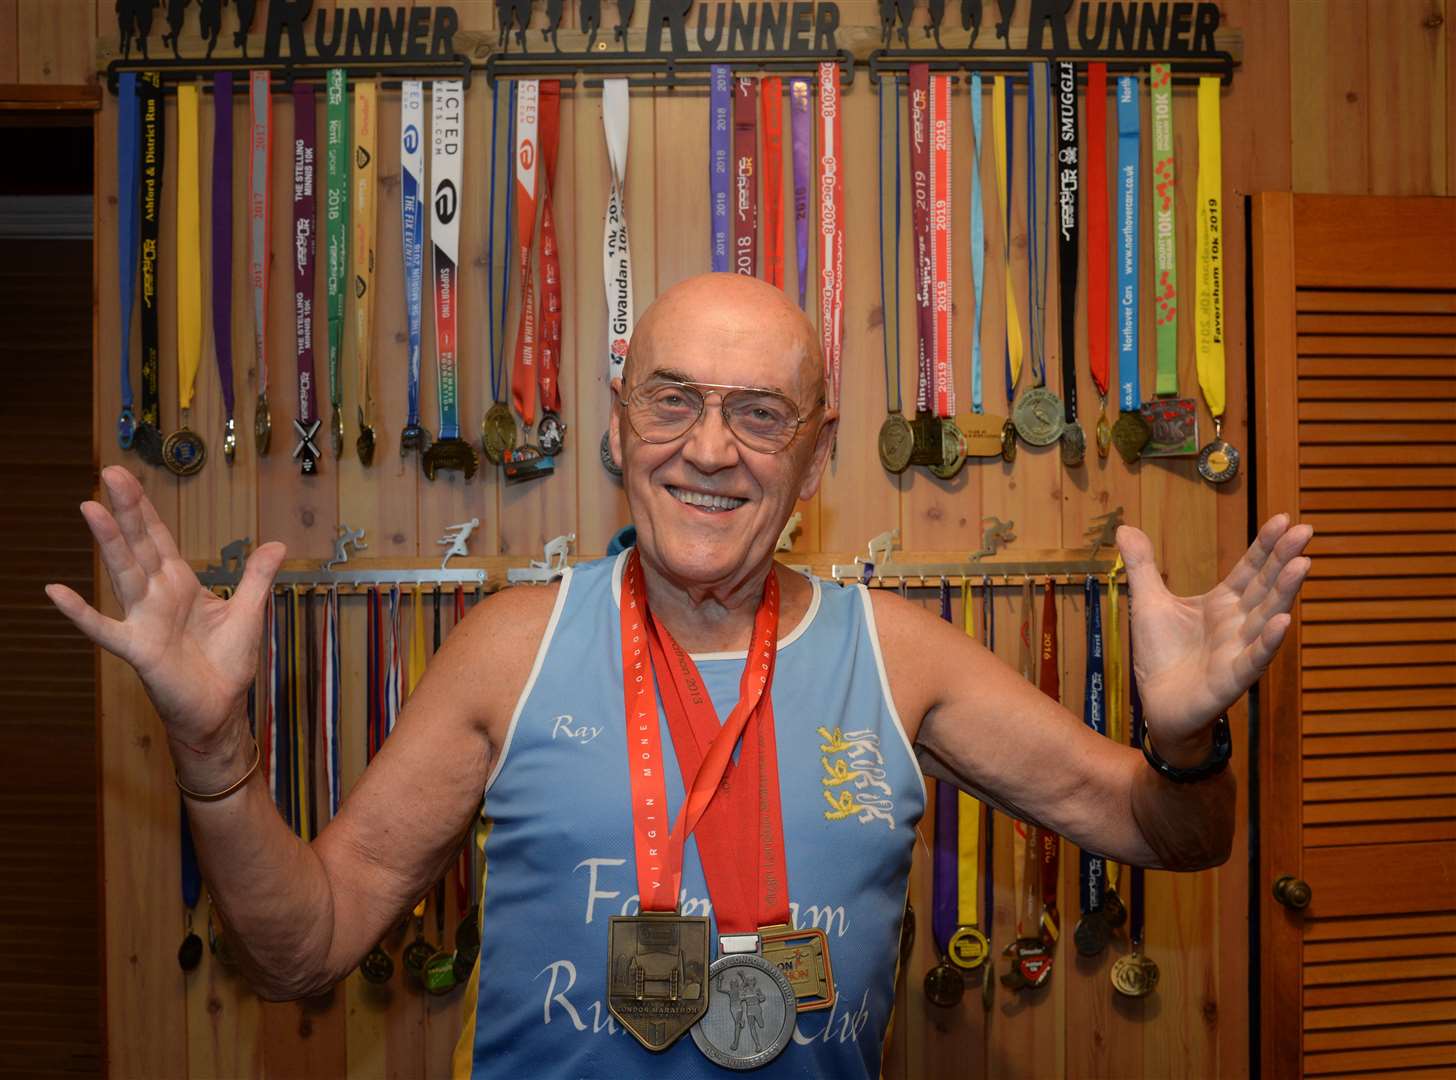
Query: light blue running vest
{"points": [[559, 857]]}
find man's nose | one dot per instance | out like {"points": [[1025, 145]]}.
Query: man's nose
{"points": [[710, 445]]}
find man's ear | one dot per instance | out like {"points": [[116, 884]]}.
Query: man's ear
{"points": [[823, 444]]}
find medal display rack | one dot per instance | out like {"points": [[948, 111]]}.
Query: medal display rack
{"points": [[286, 72], [1013, 62]]}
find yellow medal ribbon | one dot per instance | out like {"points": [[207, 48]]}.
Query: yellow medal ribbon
{"points": [[417, 641], [366, 132], [968, 812], [1115, 727], [189, 254], [1208, 303], [1003, 184]]}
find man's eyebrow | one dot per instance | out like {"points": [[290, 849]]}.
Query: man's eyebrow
{"points": [[673, 375]]}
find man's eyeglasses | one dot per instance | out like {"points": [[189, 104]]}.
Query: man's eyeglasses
{"points": [[663, 410]]}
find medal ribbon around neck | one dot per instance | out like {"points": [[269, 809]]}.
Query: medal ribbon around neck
{"points": [[942, 397], [745, 177], [447, 132], [1002, 118], [336, 237], [1067, 215], [260, 170], [128, 194], [1037, 108], [366, 133], [720, 151], [1165, 232], [1208, 306], [412, 233], [771, 102], [802, 137], [154, 154], [1049, 843], [523, 378], [831, 231], [1092, 868], [890, 201], [616, 249], [978, 244], [1129, 167], [222, 249], [189, 249], [1099, 304], [756, 887], [550, 310], [920, 225], [305, 241]]}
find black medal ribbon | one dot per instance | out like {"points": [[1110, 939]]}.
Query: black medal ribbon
{"points": [[148, 441], [1068, 227]]}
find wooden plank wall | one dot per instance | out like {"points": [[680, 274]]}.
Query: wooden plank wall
{"points": [[1347, 96]]}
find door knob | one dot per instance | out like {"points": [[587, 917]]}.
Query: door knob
{"points": [[1292, 893]]}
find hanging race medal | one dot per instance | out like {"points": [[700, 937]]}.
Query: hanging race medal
{"points": [[745, 176], [129, 151], [306, 426], [1039, 415], [366, 133], [1002, 119], [377, 966], [184, 452], [1050, 847], [616, 250], [523, 375], [802, 137], [260, 170], [944, 983], [973, 941], [189, 953], [1218, 462], [1099, 302], [1092, 930], [831, 231], [447, 138], [412, 248], [981, 432], [927, 442], [720, 168], [222, 252], [1073, 438], [1135, 975], [498, 428], [896, 439], [771, 105], [336, 241], [1172, 420], [942, 388], [147, 439], [1130, 432], [551, 431]]}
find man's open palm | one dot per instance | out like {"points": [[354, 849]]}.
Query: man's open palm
{"points": [[1195, 656], [196, 653]]}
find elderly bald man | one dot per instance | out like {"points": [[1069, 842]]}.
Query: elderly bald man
{"points": [[833, 699]]}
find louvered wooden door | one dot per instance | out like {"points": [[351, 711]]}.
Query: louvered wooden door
{"points": [[1355, 331]]}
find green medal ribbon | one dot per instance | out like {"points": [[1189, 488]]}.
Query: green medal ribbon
{"points": [[336, 235], [1165, 234]]}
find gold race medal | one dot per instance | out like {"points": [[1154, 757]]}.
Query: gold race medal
{"points": [[803, 957], [1134, 975], [657, 975], [498, 433], [952, 451], [184, 452], [1038, 416], [455, 455], [968, 948], [896, 441], [262, 425], [1008, 442], [928, 441], [1104, 432]]}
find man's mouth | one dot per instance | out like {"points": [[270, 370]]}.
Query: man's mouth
{"points": [[713, 504]]}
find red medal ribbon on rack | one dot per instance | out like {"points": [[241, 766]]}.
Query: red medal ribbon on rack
{"points": [[773, 181], [942, 374], [549, 319], [920, 220], [523, 376], [745, 178]]}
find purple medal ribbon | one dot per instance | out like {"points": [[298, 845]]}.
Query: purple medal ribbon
{"points": [[801, 133], [720, 137], [304, 148], [943, 910], [222, 246]]}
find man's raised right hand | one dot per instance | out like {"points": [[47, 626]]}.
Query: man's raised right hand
{"points": [[196, 653]]}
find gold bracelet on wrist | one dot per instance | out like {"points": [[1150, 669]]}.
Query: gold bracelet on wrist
{"points": [[202, 796]]}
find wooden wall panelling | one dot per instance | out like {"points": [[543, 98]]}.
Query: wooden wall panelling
{"points": [[1329, 98], [58, 47], [1409, 129], [9, 41], [1450, 42]]}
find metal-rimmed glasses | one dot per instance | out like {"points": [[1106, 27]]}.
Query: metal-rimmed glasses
{"points": [[664, 410]]}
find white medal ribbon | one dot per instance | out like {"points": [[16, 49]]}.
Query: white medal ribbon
{"points": [[616, 252]]}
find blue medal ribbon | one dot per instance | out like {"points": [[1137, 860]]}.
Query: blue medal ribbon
{"points": [[720, 137], [978, 242], [1006, 254], [1092, 876], [128, 178], [1128, 170]]}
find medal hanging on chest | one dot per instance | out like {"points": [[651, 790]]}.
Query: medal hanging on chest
{"points": [[1172, 420], [1039, 415], [1130, 432], [184, 452], [1218, 462], [447, 148]]}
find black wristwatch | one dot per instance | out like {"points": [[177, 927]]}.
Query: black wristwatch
{"points": [[1217, 761]]}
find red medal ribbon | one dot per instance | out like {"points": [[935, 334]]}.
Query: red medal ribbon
{"points": [[1099, 340], [523, 377], [747, 892], [831, 230], [773, 181], [942, 375], [920, 219], [1049, 843], [745, 180], [549, 320]]}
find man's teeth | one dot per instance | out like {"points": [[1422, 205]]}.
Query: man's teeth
{"points": [[708, 502]]}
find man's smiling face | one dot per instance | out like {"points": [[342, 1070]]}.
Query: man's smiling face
{"points": [[707, 508]]}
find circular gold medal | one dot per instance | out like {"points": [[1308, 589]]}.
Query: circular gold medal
{"points": [[1008, 442], [1038, 416], [498, 433], [968, 948], [944, 985], [1104, 436], [1130, 434], [952, 450], [1134, 975], [896, 442], [184, 452]]}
